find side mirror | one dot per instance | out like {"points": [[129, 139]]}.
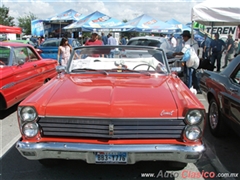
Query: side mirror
{"points": [[61, 69], [21, 62]]}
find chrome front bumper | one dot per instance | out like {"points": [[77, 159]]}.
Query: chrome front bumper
{"points": [[86, 152]]}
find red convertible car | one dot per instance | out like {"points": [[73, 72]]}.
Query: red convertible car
{"points": [[222, 91], [22, 71], [118, 110]]}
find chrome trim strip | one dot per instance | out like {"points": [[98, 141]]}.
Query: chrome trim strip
{"points": [[6, 86], [93, 117], [82, 151]]}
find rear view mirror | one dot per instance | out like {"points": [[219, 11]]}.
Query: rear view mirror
{"points": [[21, 62], [60, 69]]}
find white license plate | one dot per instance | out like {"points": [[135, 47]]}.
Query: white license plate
{"points": [[111, 157]]}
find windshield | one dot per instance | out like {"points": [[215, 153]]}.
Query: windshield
{"points": [[112, 59], [4, 56]]}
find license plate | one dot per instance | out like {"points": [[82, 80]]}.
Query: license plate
{"points": [[111, 157]]}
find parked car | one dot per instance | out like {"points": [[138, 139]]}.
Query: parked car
{"points": [[49, 48], [154, 41], [118, 110], [22, 71], [24, 41], [222, 91], [175, 63]]}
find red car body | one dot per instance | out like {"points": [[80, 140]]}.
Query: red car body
{"points": [[137, 116], [22, 71]]}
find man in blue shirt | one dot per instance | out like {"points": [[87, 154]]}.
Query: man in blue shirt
{"points": [[217, 47], [123, 40], [104, 39]]}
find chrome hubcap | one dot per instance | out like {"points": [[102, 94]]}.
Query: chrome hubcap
{"points": [[213, 115]]}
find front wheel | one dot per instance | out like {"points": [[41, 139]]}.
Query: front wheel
{"points": [[215, 120]]}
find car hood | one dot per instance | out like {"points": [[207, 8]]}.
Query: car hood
{"points": [[106, 96]]}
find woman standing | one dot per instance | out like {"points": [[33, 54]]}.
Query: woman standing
{"points": [[64, 51]]}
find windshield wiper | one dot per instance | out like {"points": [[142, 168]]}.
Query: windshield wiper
{"points": [[89, 69]]}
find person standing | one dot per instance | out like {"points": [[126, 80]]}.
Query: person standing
{"points": [[123, 40], [188, 42], [206, 46], [215, 51], [104, 39], [229, 50], [111, 41], [64, 51], [173, 42], [94, 41], [238, 49]]}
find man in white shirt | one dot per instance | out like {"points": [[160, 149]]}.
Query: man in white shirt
{"points": [[189, 71], [111, 41], [173, 41]]}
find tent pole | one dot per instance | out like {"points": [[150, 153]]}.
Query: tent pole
{"points": [[211, 30], [82, 37], [192, 33], [60, 29]]}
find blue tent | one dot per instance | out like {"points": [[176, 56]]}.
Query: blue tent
{"points": [[179, 25], [95, 21], [146, 23], [69, 15]]}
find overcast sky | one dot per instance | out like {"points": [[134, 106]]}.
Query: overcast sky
{"points": [[120, 9]]}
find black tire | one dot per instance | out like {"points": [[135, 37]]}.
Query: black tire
{"points": [[215, 121]]}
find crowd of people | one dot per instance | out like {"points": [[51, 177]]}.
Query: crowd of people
{"points": [[37, 40], [209, 50]]}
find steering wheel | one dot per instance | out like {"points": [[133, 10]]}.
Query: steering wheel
{"points": [[1, 62], [149, 66]]}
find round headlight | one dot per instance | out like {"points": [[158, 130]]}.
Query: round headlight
{"points": [[28, 114], [194, 117], [193, 132], [30, 129]]}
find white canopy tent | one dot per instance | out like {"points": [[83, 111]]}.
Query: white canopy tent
{"points": [[217, 13]]}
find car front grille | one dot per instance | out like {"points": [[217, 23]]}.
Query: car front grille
{"points": [[111, 128]]}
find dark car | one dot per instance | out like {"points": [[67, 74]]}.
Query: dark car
{"points": [[222, 91], [49, 48], [160, 42], [24, 41], [163, 43]]}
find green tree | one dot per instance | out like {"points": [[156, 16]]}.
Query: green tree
{"points": [[5, 19], [25, 22], [124, 20]]}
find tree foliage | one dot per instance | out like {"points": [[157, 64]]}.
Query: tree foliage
{"points": [[124, 20], [25, 22], [5, 19]]}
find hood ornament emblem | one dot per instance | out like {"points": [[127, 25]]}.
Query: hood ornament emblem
{"points": [[111, 129], [169, 113]]}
